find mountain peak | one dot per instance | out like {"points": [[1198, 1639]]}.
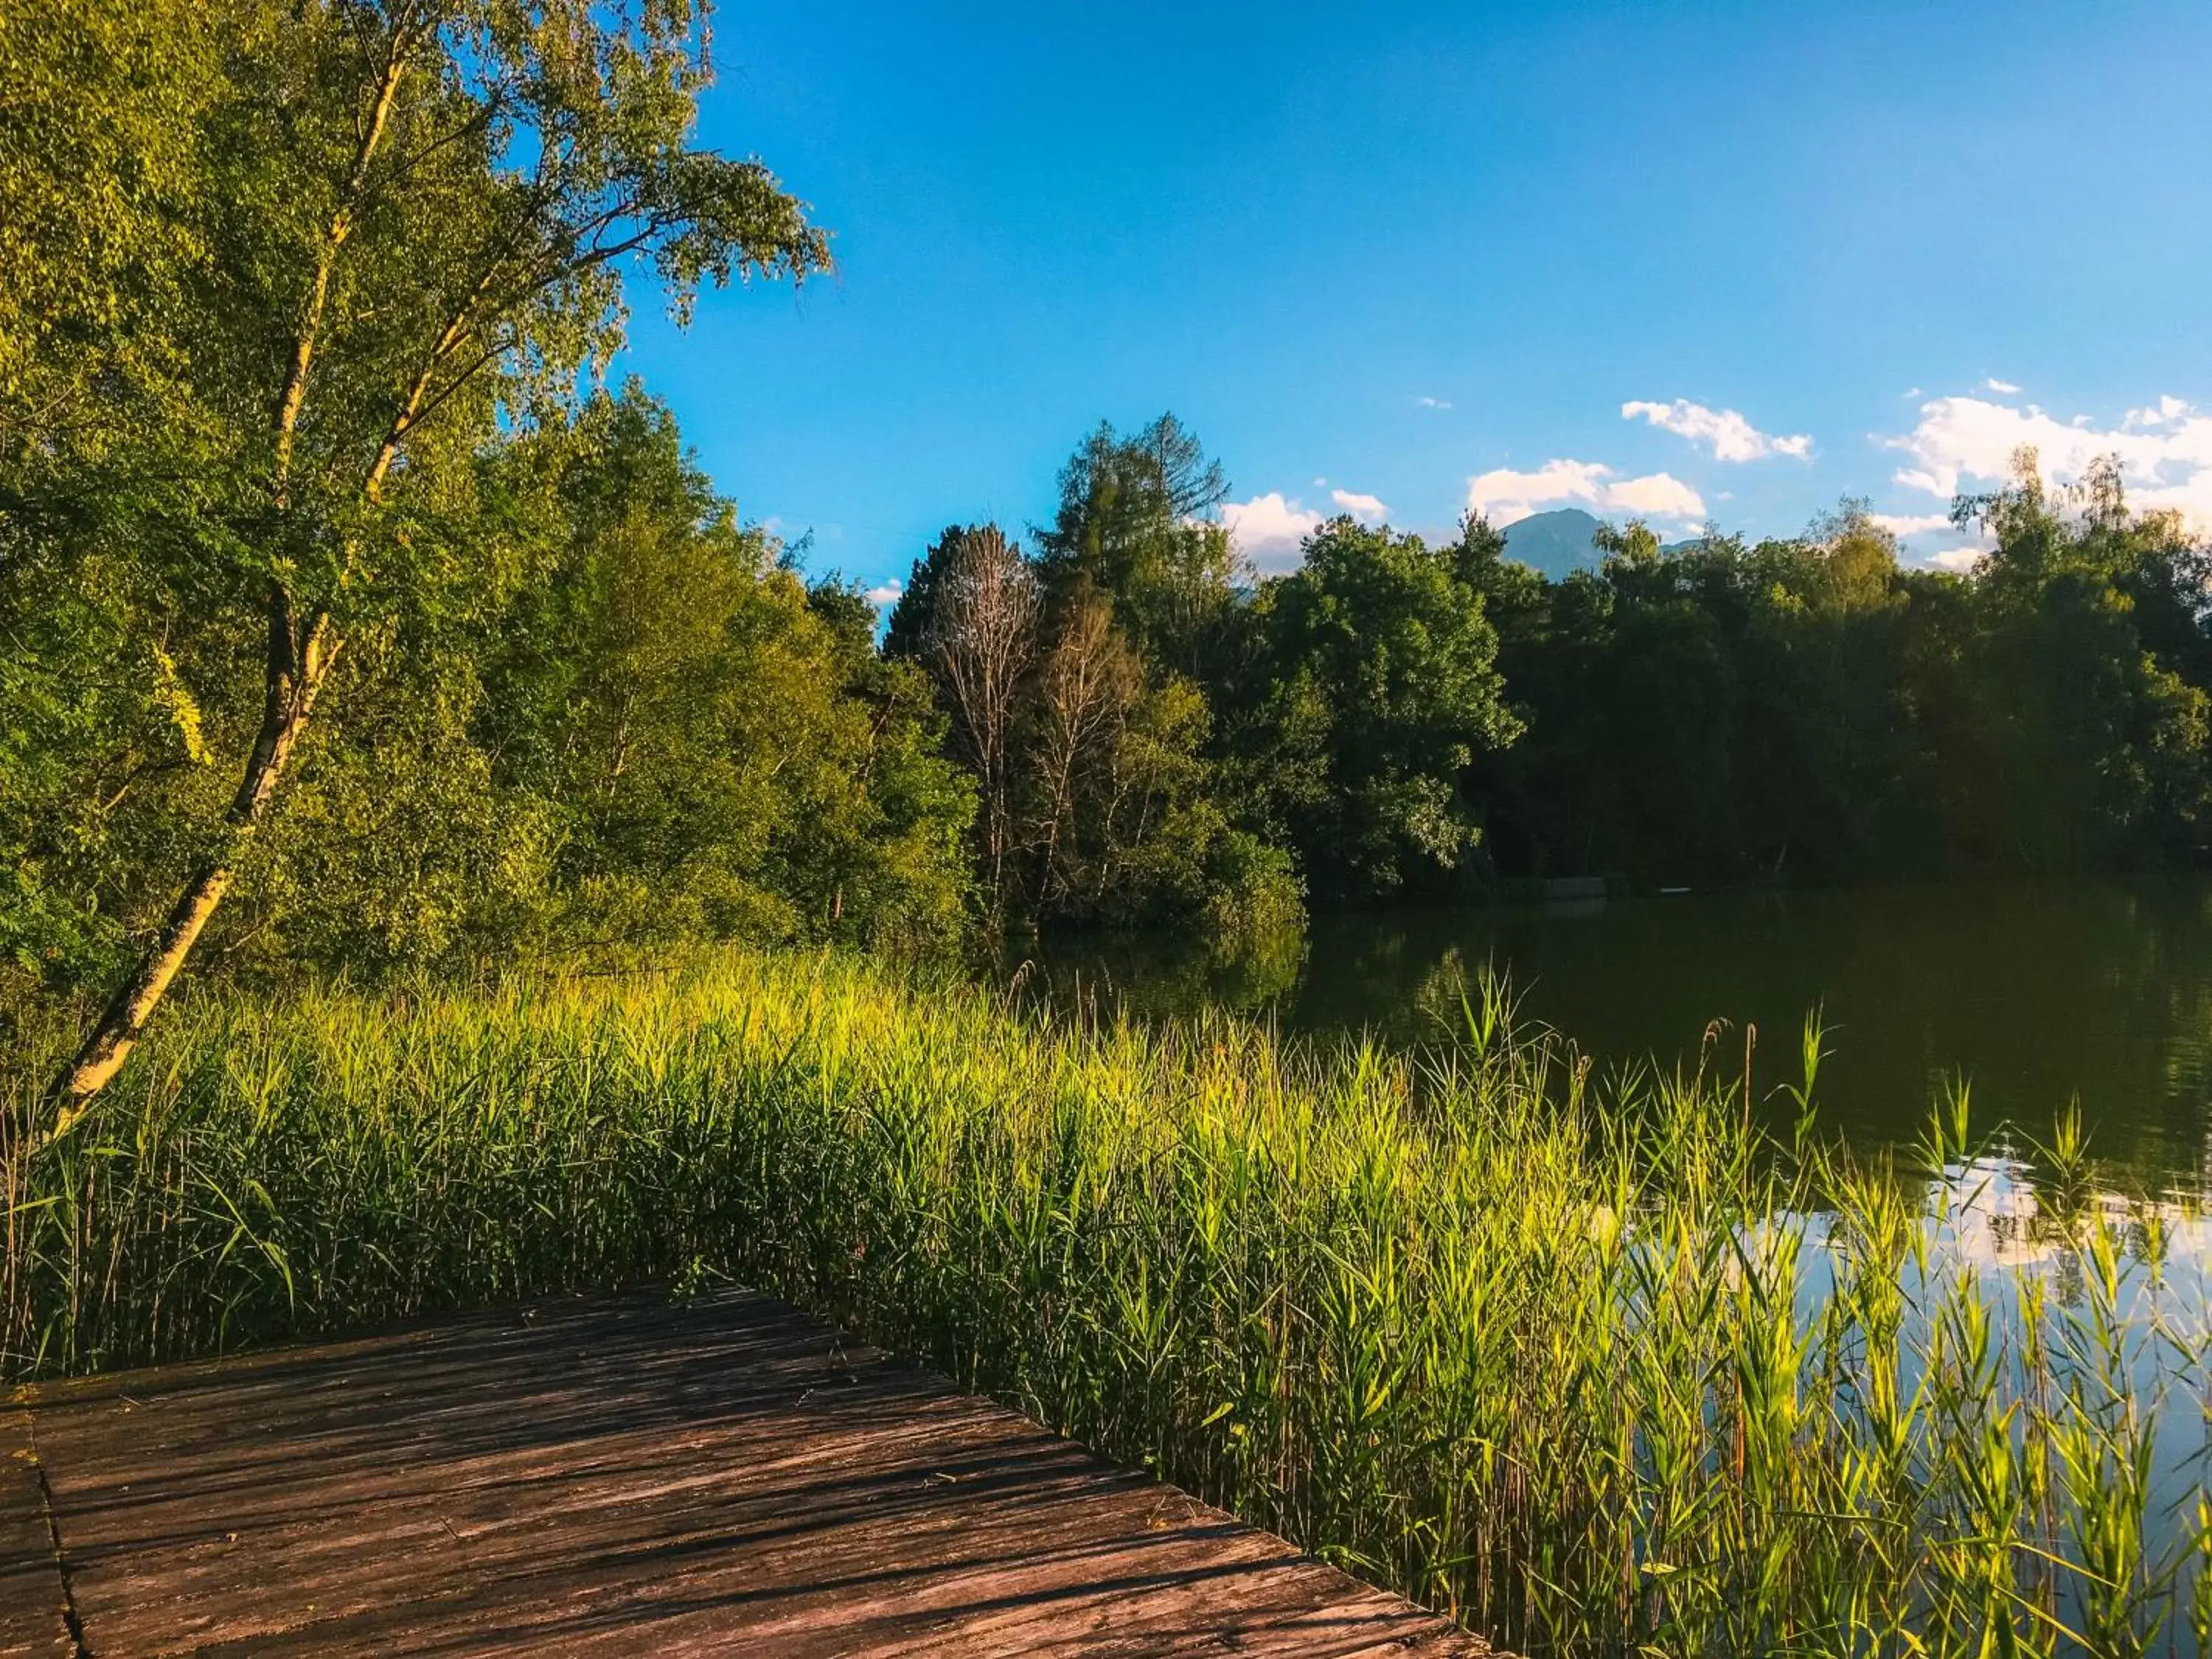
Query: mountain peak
{"points": [[1555, 544]]}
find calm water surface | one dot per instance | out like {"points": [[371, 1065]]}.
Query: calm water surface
{"points": [[2036, 995]]}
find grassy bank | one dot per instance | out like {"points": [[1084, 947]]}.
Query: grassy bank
{"points": [[1591, 1378]]}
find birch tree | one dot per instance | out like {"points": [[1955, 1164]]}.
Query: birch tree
{"points": [[403, 226]]}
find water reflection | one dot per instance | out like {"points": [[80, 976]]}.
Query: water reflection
{"points": [[2051, 1288], [2097, 1300], [2035, 995]]}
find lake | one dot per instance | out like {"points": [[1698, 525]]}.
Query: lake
{"points": [[2036, 993]]}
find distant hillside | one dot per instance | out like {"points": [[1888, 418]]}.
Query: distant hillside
{"points": [[1557, 544], [1553, 543]]}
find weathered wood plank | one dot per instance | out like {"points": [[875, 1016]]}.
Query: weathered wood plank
{"points": [[615, 1474], [34, 1619]]}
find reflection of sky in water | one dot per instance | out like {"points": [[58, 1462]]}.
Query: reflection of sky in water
{"points": [[2095, 994], [1984, 1222]]}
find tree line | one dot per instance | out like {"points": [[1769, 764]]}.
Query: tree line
{"points": [[349, 618], [1157, 733], [1808, 707]]}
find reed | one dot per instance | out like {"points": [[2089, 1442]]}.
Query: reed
{"points": [[1597, 1370]]}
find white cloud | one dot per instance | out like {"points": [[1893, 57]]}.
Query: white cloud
{"points": [[1269, 531], [1958, 555], [1433, 403], [2003, 388], [1359, 506], [1321, 484], [2164, 412], [2164, 451], [1731, 437], [886, 594], [1661, 495], [1504, 495], [1910, 524]]}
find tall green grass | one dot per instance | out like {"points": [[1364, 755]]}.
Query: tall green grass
{"points": [[1599, 1375]]}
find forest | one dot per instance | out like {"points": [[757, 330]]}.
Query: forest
{"points": [[306, 405], [624, 719]]}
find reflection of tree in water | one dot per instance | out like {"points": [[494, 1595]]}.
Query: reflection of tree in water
{"points": [[1158, 978], [2033, 994], [1452, 991], [1446, 990], [1247, 972], [2188, 1056]]}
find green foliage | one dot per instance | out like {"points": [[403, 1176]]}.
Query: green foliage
{"points": [[396, 848], [641, 728], [1135, 521], [1253, 891], [410, 217], [301, 312], [300, 309], [1159, 741], [108, 702], [102, 180], [278, 285], [1720, 710], [1406, 719], [722, 752], [1080, 687], [1600, 1373], [1378, 688]]}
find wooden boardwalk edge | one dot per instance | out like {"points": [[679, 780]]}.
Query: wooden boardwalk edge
{"points": [[33, 1600], [616, 1474]]}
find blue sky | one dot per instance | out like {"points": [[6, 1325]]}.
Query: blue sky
{"points": [[1428, 253]]}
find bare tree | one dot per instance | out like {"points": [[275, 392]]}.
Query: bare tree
{"points": [[980, 644], [1088, 684]]}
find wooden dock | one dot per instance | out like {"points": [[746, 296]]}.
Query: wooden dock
{"points": [[619, 1475]]}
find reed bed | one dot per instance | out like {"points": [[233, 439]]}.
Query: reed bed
{"points": [[1596, 1371]]}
